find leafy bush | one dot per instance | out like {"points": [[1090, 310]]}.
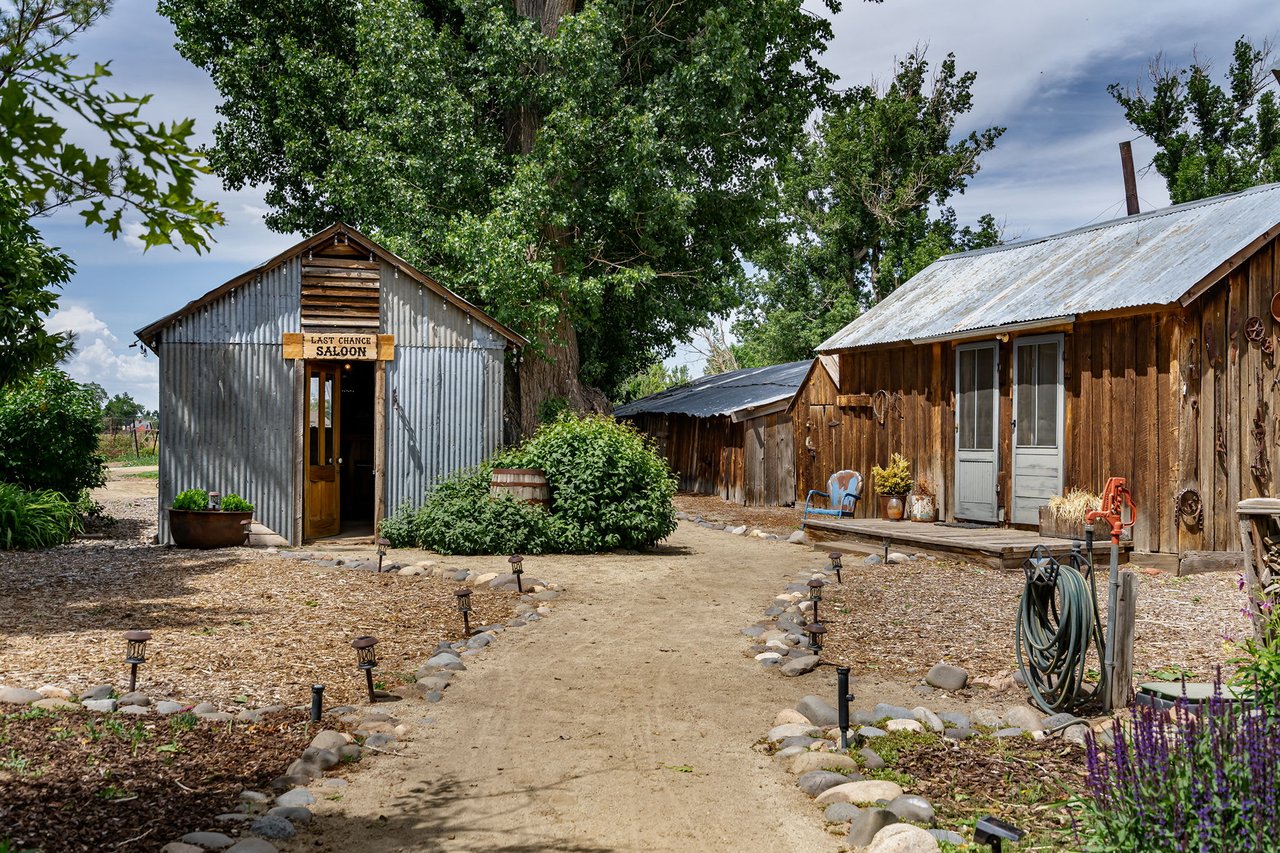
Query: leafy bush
{"points": [[39, 519], [895, 479], [49, 435], [1258, 666], [191, 499], [235, 503], [1205, 783], [609, 489]]}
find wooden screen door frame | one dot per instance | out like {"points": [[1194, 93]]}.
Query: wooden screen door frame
{"points": [[972, 453], [322, 509], [1040, 464]]}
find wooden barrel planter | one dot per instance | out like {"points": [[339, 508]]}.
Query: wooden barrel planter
{"points": [[524, 484], [204, 528]]}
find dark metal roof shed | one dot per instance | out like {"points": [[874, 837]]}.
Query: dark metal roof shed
{"points": [[739, 393]]}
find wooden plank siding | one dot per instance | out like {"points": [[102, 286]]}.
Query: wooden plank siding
{"points": [[1146, 393], [750, 463]]}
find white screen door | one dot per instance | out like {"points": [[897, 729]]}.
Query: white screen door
{"points": [[976, 407], [1037, 425]]}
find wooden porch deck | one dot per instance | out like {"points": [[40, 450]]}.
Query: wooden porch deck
{"points": [[999, 547]]}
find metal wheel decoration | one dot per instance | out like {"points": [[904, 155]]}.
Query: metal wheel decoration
{"points": [[1188, 508], [1254, 330], [1275, 308]]}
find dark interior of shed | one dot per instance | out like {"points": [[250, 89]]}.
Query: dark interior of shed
{"points": [[356, 447]]}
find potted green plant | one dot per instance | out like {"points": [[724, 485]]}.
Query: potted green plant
{"points": [[196, 523], [922, 504], [892, 484]]}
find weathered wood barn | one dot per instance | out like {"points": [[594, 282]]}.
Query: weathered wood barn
{"points": [[327, 386], [728, 434], [1143, 347]]}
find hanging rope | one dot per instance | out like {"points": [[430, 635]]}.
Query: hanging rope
{"points": [[1057, 621]]}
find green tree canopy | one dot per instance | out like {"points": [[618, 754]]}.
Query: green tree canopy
{"points": [[590, 171], [865, 209], [122, 410], [1209, 139], [150, 169], [652, 380], [30, 272]]}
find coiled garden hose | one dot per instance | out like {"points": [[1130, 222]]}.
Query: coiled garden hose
{"points": [[1058, 619]]}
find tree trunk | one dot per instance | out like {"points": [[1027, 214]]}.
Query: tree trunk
{"points": [[553, 374]]}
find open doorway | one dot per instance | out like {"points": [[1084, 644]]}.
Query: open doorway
{"points": [[339, 453]]}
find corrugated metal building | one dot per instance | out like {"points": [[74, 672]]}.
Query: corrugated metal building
{"points": [[327, 386], [1143, 347], [727, 434]]}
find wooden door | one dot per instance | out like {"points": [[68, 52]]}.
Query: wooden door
{"points": [[1037, 425], [323, 506], [977, 402]]}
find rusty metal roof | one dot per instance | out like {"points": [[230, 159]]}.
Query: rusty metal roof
{"points": [[1155, 258], [723, 393]]}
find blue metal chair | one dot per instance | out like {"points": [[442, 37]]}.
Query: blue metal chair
{"points": [[844, 490]]}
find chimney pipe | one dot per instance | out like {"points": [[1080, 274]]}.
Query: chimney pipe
{"points": [[1130, 180]]}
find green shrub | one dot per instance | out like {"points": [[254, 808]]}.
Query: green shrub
{"points": [[49, 435], [192, 499], [235, 503], [460, 517], [609, 489], [35, 519]]}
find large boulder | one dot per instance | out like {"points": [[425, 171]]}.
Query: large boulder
{"points": [[944, 676]]}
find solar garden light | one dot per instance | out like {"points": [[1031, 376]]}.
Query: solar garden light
{"points": [[993, 831], [815, 630], [317, 702], [837, 562], [135, 650], [843, 698], [815, 595], [517, 569], [464, 607], [383, 543], [366, 659]]}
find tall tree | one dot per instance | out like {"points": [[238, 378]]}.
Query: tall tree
{"points": [[133, 166], [1209, 139], [591, 171], [30, 271], [866, 208]]}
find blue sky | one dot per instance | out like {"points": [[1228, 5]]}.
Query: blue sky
{"points": [[1042, 71]]}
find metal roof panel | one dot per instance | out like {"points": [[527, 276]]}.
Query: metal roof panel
{"points": [[723, 393]]}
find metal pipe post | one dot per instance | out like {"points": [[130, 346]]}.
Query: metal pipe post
{"points": [[317, 702], [133, 677], [368, 677], [1113, 593], [842, 705]]}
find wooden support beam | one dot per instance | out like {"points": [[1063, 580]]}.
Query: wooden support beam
{"points": [[379, 442], [1125, 619]]}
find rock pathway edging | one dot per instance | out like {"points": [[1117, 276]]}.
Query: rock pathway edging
{"points": [[797, 537]]}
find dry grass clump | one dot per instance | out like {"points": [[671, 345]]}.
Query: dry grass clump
{"points": [[1075, 506]]}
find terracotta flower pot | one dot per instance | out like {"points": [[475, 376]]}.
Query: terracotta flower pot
{"points": [[208, 528]]}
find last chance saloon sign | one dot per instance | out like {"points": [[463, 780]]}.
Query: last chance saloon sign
{"points": [[340, 345]]}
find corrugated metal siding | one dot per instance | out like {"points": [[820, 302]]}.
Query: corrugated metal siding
{"points": [[420, 318], [723, 393], [257, 313], [444, 413], [1151, 259], [227, 418]]}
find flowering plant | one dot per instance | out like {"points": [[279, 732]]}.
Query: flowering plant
{"points": [[1258, 667], [1178, 781]]}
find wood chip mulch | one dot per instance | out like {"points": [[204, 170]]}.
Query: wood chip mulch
{"points": [[75, 781], [232, 627], [899, 620]]}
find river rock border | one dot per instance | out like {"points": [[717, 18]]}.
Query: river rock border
{"points": [[262, 817]]}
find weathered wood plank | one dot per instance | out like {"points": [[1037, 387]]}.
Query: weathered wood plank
{"points": [[1197, 562], [1125, 620]]}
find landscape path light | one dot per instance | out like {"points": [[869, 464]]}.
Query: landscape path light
{"points": [[317, 702], [366, 659], [135, 651], [815, 630], [517, 569], [993, 831], [837, 561], [383, 543], [815, 595], [464, 607]]}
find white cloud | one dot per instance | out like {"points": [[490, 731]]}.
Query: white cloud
{"points": [[100, 357]]}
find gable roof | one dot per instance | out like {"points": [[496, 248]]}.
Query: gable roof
{"points": [[1158, 258], [148, 334], [738, 393]]}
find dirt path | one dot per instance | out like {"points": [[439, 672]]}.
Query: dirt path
{"points": [[565, 736]]}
